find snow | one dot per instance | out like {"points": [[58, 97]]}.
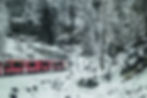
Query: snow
{"points": [[64, 84], [113, 89], [29, 49]]}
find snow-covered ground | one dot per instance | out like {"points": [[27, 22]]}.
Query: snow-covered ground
{"points": [[64, 85]]}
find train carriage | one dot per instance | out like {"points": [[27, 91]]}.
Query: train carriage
{"points": [[45, 66], [12, 67]]}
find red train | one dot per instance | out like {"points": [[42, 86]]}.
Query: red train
{"points": [[11, 67]]}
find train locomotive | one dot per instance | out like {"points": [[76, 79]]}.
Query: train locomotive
{"points": [[15, 67]]}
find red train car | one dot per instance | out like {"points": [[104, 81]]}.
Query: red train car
{"points": [[45, 66], [59, 65], [12, 67], [32, 66]]}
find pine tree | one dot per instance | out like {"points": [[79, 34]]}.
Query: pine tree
{"points": [[47, 20]]}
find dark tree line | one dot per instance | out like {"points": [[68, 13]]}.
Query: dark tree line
{"points": [[45, 31]]}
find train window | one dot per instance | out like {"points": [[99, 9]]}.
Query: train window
{"points": [[32, 64], [58, 63], [17, 64], [7, 65], [45, 63]]}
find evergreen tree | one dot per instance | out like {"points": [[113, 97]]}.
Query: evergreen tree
{"points": [[47, 20]]}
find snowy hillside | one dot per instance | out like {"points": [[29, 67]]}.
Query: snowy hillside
{"points": [[66, 85], [30, 49], [103, 41]]}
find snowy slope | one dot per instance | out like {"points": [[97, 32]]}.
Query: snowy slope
{"points": [[65, 84], [31, 49]]}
